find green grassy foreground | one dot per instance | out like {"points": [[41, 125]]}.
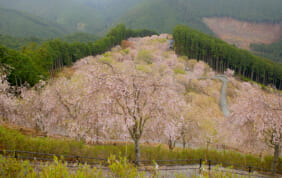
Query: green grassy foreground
{"points": [[117, 168], [11, 139]]}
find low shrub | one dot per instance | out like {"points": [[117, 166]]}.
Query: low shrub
{"points": [[145, 56]]}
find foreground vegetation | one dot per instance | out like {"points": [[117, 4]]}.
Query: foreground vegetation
{"points": [[12, 168], [116, 167], [14, 140]]}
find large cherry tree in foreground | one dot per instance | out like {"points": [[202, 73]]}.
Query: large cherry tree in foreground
{"points": [[177, 124], [261, 113], [4, 87], [81, 105], [8, 102], [272, 127], [138, 100]]}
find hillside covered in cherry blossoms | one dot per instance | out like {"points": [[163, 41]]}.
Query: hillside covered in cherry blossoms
{"points": [[143, 92]]}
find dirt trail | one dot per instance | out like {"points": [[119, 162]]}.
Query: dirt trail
{"points": [[223, 98]]}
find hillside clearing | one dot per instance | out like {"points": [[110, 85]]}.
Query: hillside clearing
{"points": [[243, 33]]}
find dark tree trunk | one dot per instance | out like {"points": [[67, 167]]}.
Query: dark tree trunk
{"points": [[137, 152], [97, 135], [183, 141], [264, 78], [171, 144], [275, 158]]}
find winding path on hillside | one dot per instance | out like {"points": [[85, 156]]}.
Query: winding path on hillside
{"points": [[223, 98]]}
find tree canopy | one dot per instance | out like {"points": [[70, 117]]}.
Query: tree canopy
{"points": [[33, 62], [272, 51]]}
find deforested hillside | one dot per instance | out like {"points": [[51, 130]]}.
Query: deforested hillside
{"points": [[142, 92], [242, 33], [20, 24]]}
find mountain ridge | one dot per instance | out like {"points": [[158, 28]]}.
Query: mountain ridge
{"points": [[32, 25], [191, 12]]}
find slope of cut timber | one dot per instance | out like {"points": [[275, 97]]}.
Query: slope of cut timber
{"points": [[242, 33]]}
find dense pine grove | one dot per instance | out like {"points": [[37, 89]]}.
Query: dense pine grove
{"points": [[22, 24], [272, 51], [33, 63], [17, 43], [220, 56]]}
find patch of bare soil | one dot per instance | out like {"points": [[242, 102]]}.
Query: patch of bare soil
{"points": [[242, 33]]}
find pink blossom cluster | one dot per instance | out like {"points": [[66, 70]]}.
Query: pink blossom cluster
{"points": [[104, 101]]}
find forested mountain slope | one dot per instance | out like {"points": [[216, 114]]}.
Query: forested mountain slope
{"points": [[73, 16], [17, 43], [163, 15], [111, 9], [22, 24], [272, 51], [95, 16]]}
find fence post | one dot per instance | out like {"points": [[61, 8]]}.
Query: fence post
{"points": [[200, 166], [16, 155], [250, 169], [77, 159], [209, 165]]}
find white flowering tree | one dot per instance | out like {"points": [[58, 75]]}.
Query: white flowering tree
{"points": [[261, 113]]}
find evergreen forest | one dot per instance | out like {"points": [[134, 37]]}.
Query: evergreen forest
{"points": [[272, 51], [220, 56], [35, 62]]}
